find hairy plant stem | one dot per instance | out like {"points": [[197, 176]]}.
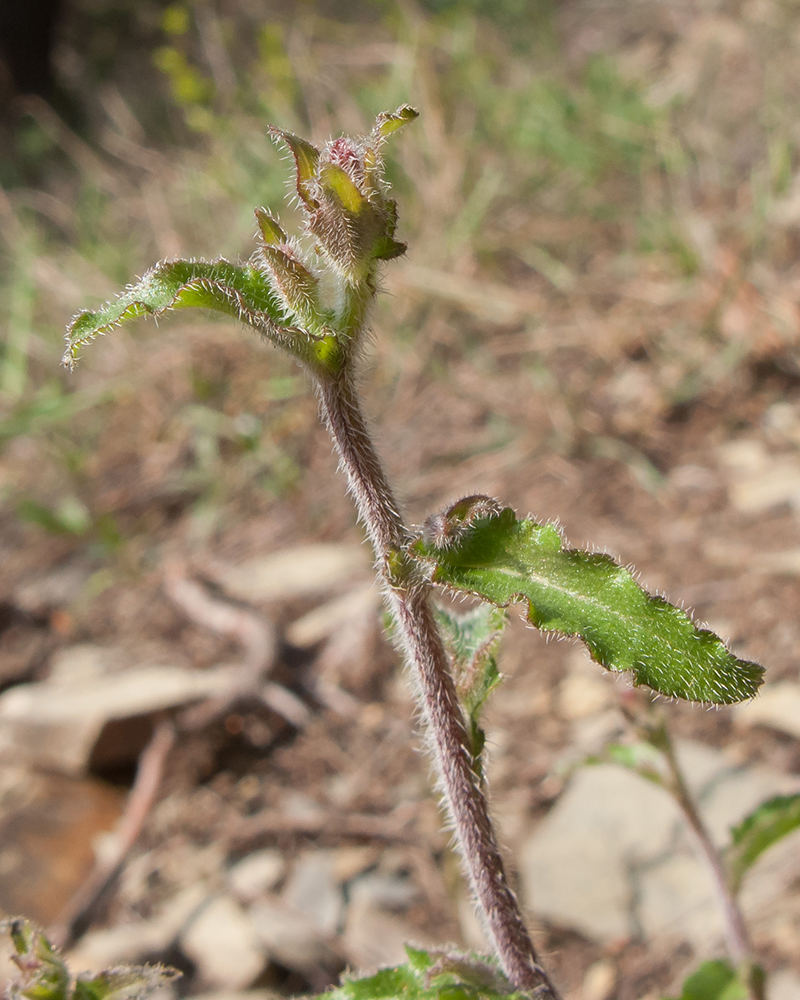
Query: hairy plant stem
{"points": [[407, 595], [737, 938]]}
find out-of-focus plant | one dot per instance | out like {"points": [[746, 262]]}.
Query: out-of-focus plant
{"points": [[311, 296], [44, 975]]}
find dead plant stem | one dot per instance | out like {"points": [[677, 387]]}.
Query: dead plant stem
{"points": [[407, 595]]}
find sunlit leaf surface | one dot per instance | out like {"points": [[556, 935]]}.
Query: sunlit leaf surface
{"points": [[505, 560]]}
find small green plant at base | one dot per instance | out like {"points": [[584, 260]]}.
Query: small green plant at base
{"points": [[312, 298], [44, 975]]}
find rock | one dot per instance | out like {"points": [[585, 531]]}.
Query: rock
{"points": [[58, 588], [328, 618], [256, 875], [575, 866], [314, 891], [82, 662], [374, 935], [222, 943], [759, 480], [777, 706], [297, 572], [351, 861], [387, 892], [677, 900], [49, 822], [613, 858], [764, 899], [784, 985], [593, 732], [599, 981], [56, 724], [289, 937], [134, 942], [585, 690]]}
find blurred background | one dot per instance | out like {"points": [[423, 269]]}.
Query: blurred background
{"points": [[597, 321]]}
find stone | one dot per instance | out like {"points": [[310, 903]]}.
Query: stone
{"points": [[302, 571], [349, 862], [585, 690], [575, 866], [256, 874], [614, 860], [777, 706], [760, 481], [599, 980], [784, 985], [58, 588], [49, 822], [770, 909], [289, 937], [57, 723], [222, 943], [387, 892], [676, 899], [83, 661], [133, 942], [314, 891], [375, 933], [471, 927], [323, 621]]}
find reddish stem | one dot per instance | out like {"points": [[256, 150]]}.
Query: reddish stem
{"points": [[407, 594]]}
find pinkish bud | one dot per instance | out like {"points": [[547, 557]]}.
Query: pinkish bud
{"points": [[342, 190]]}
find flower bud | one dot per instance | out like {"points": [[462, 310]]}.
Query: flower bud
{"points": [[342, 191], [293, 283]]}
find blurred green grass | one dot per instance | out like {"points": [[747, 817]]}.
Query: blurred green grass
{"points": [[635, 178]]}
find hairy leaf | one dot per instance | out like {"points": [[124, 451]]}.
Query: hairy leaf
{"points": [[471, 640], [306, 160], [386, 123], [45, 976], [477, 548], [237, 290], [715, 980], [765, 826], [431, 976], [124, 983]]}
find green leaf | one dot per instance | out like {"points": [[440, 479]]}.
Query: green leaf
{"points": [[643, 758], [471, 640], [70, 517], [714, 980], [45, 976], [306, 160], [434, 975], [386, 123], [271, 232], [477, 548], [124, 983], [338, 182], [765, 826], [241, 291], [295, 285]]}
